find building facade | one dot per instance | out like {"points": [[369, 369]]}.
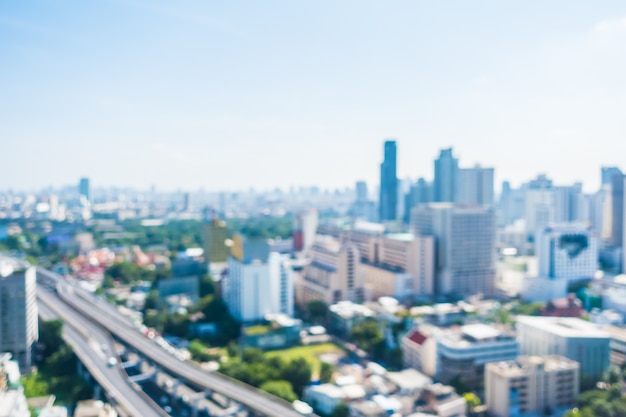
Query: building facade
{"points": [[475, 186], [388, 203], [19, 329], [446, 176], [573, 338], [256, 288], [333, 274], [463, 353], [567, 251], [531, 385], [215, 236], [464, 238]]}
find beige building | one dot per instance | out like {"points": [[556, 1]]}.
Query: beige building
{"points": [[531, 384], [390, 256], [333, 274]]}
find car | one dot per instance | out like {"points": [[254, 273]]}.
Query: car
{"points": [[112, 362]]}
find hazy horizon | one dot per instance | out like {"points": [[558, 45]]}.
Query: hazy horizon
{"points": [[233, 95]]}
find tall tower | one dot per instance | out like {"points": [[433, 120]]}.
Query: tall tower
{"points": [[388, 183], [84, 189], [445, 180], [18, 314]]}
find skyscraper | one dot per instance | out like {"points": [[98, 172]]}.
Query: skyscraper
{"points": [[475, 186], [84, 189], [18, 314], [617, 209], [445, 180], [465, 246], [361, 191], [388, 183]]}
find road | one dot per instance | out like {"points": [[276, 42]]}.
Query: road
{"points": [[108, 317], [94, 347]]}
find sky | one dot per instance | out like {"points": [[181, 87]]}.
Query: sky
{"points": [[228, 95]]}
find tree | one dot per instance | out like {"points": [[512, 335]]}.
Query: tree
{"points": [[326, 372], [281, 389], [369, 337], [317, 311], [341, 410], [298, 373], [50, 337], [471, 400], [35, 386]]}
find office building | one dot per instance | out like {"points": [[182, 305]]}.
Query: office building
{"points": [[388, 202], [446, 175], [617, 210], [573, 338], [258, 286], [333, 274], [215, 241], [464, 238], [463, 353], [567, 251], [419, 193], [475, 186], [19, 329], [531, 385], [84, 190], [361, 192]]}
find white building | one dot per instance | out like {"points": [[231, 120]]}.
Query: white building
{"points": [[465, 258], [567, 251], [531, 385], [323, 398], [18, 314], [419, 350], [464, 352], [256, 288], [13, 403], [573, 338]]}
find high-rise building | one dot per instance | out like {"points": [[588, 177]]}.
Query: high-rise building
{"points": [[84, 189], [617, 209], [388, 203], [361, 191], [607, 174], [18, 314], [215, 241], [567, 251], [465, 240], [420, 193], [475, 186], [258, 286], [530, 385], [363, 208], [446, 175]]}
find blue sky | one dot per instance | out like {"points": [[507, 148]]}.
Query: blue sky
{"points": [[231, 94]]}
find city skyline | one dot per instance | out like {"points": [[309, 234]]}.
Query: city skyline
{"points": [[131, 93]]}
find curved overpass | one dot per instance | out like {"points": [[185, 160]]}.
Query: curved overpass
{"points": [[108, 317]]}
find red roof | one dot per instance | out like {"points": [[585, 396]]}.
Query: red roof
{"points": [[416, 337]]}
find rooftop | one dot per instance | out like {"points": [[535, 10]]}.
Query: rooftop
{"points": [[524, 364], [564, 326]]}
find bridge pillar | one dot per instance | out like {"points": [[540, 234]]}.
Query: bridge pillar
{"points": [[194, 407]]}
